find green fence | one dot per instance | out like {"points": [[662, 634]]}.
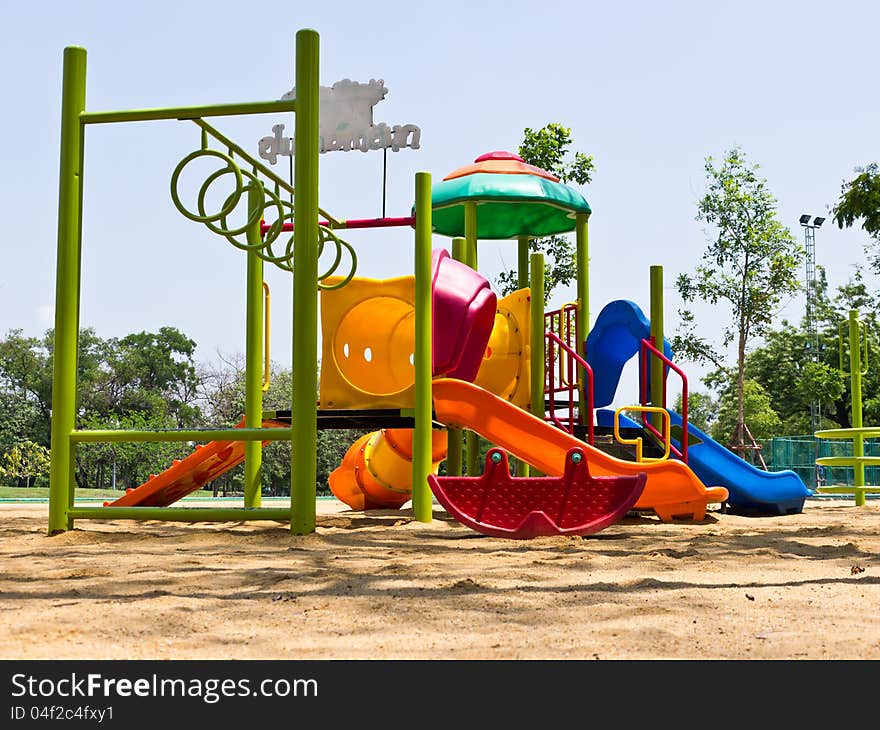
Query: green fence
{"points": [[799, 453]]}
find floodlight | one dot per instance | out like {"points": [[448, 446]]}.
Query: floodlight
{"points": [[805, 219], [817, 221]]}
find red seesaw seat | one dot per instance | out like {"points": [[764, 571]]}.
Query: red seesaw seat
{"points": [[520, 508]]}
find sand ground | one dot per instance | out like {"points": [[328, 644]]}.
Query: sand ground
{"points": [[380, 585]]}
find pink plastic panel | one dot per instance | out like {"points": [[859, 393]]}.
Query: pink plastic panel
{"points": [[464, 314]]}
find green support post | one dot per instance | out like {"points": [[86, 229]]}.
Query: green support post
{"points": [[522, 282], [422, 498], [459, 249], [855, 375], [536, 328], [657, 366], [522, 262], [253, 393], [67, 286], [582, 316], [455, 436], [470, 235], [303, 467]]}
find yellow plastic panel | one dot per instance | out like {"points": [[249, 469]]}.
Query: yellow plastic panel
{"points": [[505, 367], [367, 336]]}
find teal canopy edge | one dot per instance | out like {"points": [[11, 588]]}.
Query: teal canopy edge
{"points": [[485, 187]]}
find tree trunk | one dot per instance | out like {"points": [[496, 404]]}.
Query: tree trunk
{"points": [[739, 430]]}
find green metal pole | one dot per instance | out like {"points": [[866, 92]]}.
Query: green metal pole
{"points": [[470, 235], [67, 285], [253, 386], [459, 249], [522, 262], [455, 436], [657, 366], [522, 282], [582, 316], [183, 514], [212, 434], [188, 112], [536, 336], [855, 375], [303, 456], [422, 497]]}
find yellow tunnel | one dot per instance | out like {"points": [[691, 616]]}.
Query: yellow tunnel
{"points": [[376, 472]]}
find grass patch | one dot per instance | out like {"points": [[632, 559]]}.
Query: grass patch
{"points": [[43, 493]]}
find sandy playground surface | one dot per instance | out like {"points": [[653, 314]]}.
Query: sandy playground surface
{"points": [[379, 585]]}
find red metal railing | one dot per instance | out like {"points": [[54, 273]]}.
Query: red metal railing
{"points": [[563, 323], [558, 351], [648, 349], [353, 223]]}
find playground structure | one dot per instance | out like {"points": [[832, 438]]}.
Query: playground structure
{"points": [[432, 360], [858, 366]]}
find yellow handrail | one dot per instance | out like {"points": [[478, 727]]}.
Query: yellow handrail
{"points": [[637, 441], [266, 361]]}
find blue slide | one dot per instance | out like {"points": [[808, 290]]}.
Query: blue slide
{"points": [[614, 339]]}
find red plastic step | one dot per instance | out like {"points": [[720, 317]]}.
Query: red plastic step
{"points": [[521, 508]]}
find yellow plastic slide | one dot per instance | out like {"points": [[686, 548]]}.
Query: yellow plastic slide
{"points": [[672, 490]]}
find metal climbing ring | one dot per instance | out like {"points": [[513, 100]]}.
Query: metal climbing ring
{"points": [[277, 226], [283, 262], [231, 202], [325, 234], [253, 218]]}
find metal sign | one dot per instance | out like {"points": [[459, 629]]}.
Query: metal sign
{"points": [[346, 123]]}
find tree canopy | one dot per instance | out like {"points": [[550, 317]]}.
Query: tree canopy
{"points": [[860, 201], [548, 148], [751, 263], [142, 381]]}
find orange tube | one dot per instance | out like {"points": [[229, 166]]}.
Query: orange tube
{"points": [[376, 472]]}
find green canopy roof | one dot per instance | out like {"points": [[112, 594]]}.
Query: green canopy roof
{"points": [[508, 205]]}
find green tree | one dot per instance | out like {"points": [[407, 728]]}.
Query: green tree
{"points": [[223, 396], [128, 464], [151, 373], [750, 264], [783, 364], [548, 148], [143, 380], [26, 380], [20, 419], [860, 201], [833, 316], [26, 462], [750, 403], [702, 409]]}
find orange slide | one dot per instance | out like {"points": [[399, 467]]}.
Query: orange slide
{"points": [[187, 475], [672, 490]]}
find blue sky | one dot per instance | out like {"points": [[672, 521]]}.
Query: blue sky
{"points": [[648, 89]]}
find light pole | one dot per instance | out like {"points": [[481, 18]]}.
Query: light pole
{"points": [[810, 224]]}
